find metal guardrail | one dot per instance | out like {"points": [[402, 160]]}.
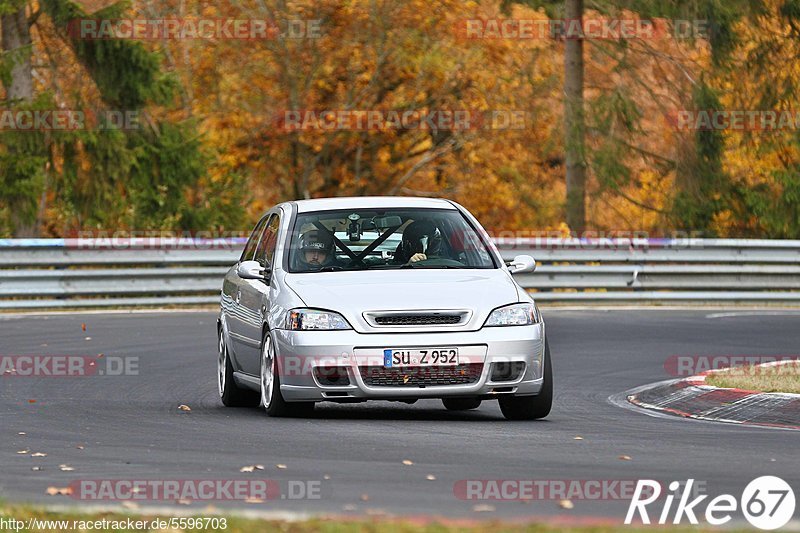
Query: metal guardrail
{"points": [[73, 273]]}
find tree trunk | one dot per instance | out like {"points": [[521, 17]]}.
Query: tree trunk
{"points": [[16, 42], [574, 124]]}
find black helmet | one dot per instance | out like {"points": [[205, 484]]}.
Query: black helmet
{"points": [[422, 236], [316, 240]]}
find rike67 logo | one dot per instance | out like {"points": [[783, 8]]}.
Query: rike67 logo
{"points": [[767, 502]]}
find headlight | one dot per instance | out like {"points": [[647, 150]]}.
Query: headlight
{"points": [[514, 315], [312, 319]]}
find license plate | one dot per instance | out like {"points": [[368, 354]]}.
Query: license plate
{"points": [[427, 357]]}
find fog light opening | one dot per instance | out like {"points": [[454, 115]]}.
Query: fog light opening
{"points": [[507, 370], [332, 376]]}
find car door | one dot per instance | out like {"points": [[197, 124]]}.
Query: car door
{"points": [[255, 299], [231, 297]]}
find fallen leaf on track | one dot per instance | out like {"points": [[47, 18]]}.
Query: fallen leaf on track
{"points": [[23, 452], [566, 504], [83, 326], [624, 457], [184, 407], [280, 466], [254, 500], [578, 438], [38, 454], [483, 508], [57, 491], [430, 477], [408, 462], [66, 468], [184, 502]]}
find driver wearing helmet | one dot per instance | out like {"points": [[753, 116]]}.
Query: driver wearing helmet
{"points": [[316, 249], [421, 240]]}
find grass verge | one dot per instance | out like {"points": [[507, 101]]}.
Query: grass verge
{"points": [[78, 520], [774, 378]]}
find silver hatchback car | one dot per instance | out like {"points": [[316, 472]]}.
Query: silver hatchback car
{"points": [[379, 298]]}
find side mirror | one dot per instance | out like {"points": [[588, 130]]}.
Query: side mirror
{"points": [[252, 270], [522, 264]]}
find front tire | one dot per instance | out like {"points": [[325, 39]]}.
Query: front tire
{"points": [[271, 397], [532, 407], [230, 394], [461, 404]]}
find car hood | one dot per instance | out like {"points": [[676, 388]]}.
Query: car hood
{"points": [[353, 293]]}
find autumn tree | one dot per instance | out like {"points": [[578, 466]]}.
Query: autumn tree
{"points": [[392, 58], [99, 175]]}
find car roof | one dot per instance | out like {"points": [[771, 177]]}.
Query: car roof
{"points": [[371, 202]]}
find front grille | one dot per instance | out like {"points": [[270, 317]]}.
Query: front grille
{"points": [[378, 376], [417, 320]]}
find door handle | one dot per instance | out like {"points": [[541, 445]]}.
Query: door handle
{"points": [[238, 295]]}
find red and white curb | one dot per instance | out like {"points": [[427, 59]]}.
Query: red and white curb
{"points": [[693, 398]]}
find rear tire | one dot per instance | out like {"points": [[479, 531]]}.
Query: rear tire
{"points": [[532, 407], [271, 397], [461, 404], [230, 394]]}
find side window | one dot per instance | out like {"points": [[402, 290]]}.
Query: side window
{"points": [[252, 242], [268, 243]]}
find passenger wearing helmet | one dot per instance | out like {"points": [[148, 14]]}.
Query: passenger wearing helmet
{"points": [[421, 240], [316, 249]]}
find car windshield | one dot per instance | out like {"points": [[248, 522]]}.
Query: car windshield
{"points": [[384, 239]]}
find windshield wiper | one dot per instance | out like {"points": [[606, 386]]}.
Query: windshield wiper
{"points": [[415, 265]]}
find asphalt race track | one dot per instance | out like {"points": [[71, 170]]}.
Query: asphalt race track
{"points": [[130, 426]]}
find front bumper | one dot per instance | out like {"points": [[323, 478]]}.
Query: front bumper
{"points": [[299, 353]]}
